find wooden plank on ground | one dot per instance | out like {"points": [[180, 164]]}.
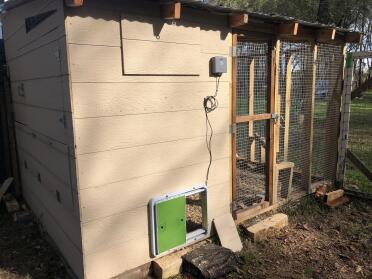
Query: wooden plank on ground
{"points": [[227, 232], [5, 186]]}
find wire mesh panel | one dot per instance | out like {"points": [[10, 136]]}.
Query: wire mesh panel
{"points": [[251, 137], [326, 112], [294, 107], [360, 130], [251, 174], [252, 73]]}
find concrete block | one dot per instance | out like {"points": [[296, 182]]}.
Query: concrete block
{"points": [[12, 206], [258, 231], [22, 217], [169, 265], [335, 195]]}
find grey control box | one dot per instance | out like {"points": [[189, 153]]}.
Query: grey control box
{"points": [[218, 65]]}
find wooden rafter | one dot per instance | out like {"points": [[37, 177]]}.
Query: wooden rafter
{"points": [[290, 28], [74, 3], [325, 34], [171, 10], [353, 37], [238, 20]]}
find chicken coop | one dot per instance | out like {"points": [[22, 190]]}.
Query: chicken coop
{"points": [[129, 115]]}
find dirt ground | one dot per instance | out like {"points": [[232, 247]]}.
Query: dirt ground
{"points": [[319, 243], [24, 252]]}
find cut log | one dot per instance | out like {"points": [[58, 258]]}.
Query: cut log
{"points": [[210, 261]]}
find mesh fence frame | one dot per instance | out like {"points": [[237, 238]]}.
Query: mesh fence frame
{"points": [[326, 117], [299, 115], [296, 110], [251, 138]]}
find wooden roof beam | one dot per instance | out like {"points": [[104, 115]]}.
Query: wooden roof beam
{"points": [[74, 3], [290, 28], [325, 34], [171, 10], [353, 37], [238, 20]]}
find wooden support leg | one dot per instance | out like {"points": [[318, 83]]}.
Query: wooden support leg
{"points": [[290, 183], [251, 110], [288, 91]]}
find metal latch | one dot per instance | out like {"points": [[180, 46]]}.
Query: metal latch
{"points": [[233, 51], [275, 116]]}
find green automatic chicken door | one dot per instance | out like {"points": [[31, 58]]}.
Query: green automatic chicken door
{"points": [[168, 220], [170, 224]]}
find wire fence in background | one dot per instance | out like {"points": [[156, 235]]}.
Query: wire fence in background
{"points": [[360, 136], [295, 88], [326, 117]]}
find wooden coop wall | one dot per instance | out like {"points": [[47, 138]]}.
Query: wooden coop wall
{"points": [[37, 61], [139, 123]]}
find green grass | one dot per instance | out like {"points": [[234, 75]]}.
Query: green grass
{"points": [[360, 140]]}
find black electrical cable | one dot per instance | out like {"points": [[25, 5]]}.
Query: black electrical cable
{"points": [[210, 104]]}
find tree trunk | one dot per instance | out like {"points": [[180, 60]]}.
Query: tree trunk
{"points": [[323, 11]]}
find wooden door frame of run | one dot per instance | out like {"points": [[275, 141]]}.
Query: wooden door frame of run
{"points": [[273, 57], [273, 91]]}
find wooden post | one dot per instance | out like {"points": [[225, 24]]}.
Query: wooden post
{"points": [[345, 117], [278, 107], [288, 90], [273, 90], [309, 126], [11, 134], [252, 141], [233, 120]]}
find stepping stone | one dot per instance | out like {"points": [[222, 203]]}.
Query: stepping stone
{"points": [[169, 265], [258, 231]]}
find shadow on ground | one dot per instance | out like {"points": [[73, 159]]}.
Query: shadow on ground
{"points": [[24, 252]]}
